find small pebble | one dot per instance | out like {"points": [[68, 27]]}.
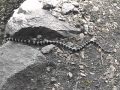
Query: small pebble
{"points": [[57, 84], [39, 36], [81, 35], [47, 49], [82, 54], [95, 8], [53, 80], [76, 4], [116, 62], [92, 73], [53, 88], [61, 18], [59, 61], [82, 74], [81, 67], [54, 13], [86, 27], [75, 11], [70, 74], [114, 88], [115, 50], [70, 43], [48, 69], [109, 57], [72, 63], [67, 7]]}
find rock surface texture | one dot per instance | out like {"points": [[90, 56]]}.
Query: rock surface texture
{"points": [[16, 57], [52, 67]]}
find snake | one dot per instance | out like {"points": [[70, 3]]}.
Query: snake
{"points": [[47, 42]]}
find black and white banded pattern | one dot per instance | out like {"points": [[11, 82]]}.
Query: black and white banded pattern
{"points": [[47, 42]]}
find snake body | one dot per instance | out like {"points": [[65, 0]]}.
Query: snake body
{"points": [[47, 42]]}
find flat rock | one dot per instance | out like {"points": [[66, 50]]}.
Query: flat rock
{"points": [[16, 57], [47, 49]]}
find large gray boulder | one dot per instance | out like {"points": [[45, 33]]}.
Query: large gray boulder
{"points": [[32, 14], [16, 57]]}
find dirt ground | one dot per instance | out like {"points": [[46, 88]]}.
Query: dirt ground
{"points": [[6, 10], [89, 69]]}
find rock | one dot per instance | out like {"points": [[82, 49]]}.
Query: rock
{"points": [[48, 69], [83, 74], [53, 80], [75, 11], [39, 36], [70, 43], [47, 49], [27, 8], [70, 74], [61, 18], [32, 14], [56, 14], [82, 54], [81, 35], [95, 8], [67, 7], [76, 4], [86, 27], [53, 88], [109, 57], [52, 3], [81, 67], [72, 63], [115, 88], [16, 57], [59, 61]]}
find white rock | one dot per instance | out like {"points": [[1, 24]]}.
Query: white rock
{"points": [[83, 75], [70, 74], [67, 7], [53, 79], [81, 35], [47, 49], [115, 88], [76, 4], [76, 10], [48, 69], [86, 27], [73, 63], [32, 14], [53, 88], [95, 8], [81, 67], [82, 54], [30, 7]]}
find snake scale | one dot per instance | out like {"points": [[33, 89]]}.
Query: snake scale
{"points": [[47, 42]]}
